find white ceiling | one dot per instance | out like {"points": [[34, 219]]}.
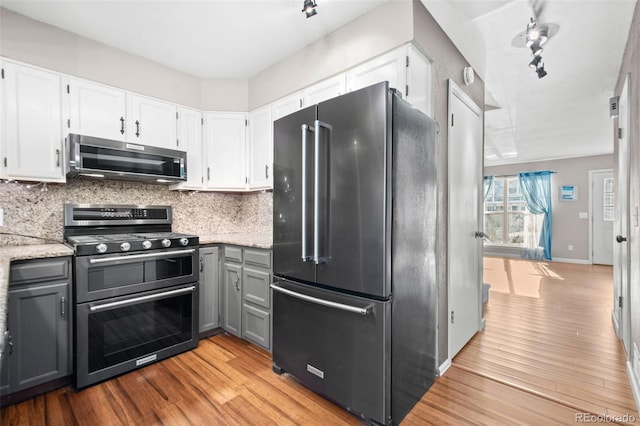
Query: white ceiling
{"points": [[564, 114]]}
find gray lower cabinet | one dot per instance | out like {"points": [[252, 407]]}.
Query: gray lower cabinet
{"points": [[209, 311], [247, 279], [38, 324]]}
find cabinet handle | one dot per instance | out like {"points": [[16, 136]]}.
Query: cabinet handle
{"points": [[9, 339], [63, 303], [236, 282], [201, 265], [266, 171], [137, 128], [57, 158], [122, 125], [208, 173]]}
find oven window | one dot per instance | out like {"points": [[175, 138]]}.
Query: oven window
{"points": [[123, 274], [125, 333]]}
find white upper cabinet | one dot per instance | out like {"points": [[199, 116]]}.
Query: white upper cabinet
{"points": [[152, 122], [260, 149], [190, 140], [96, 110], [324, 90], [390, 67], [286, 105], [419, 90], [225, 138], [33, 141]]}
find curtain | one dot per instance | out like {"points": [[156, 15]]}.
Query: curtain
{"points": [[488, 184], [536, 191]]}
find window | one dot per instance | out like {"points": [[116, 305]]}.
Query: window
{"points": [[507, 221]]}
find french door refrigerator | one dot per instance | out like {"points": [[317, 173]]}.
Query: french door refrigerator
{"points": [[354, 251]]}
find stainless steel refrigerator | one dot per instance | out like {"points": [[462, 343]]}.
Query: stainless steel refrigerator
{"points": [[354, 251]]}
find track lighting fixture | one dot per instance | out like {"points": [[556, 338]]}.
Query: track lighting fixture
{"points": [[309, 8], [535, 37]]}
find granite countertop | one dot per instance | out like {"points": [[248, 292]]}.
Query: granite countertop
{"points": [[23, 252], [264, 241]]}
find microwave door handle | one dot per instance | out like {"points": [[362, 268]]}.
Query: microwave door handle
{"points": [[139, 256]]}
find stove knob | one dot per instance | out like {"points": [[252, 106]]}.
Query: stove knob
{"points": [[101, 248], [125, 246], [146, 244], [184, 241], [166, 243]]}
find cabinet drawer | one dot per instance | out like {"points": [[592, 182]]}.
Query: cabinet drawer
{"points": [[33, 271], [233, 253], [258, 257], [255, 286], [256, 326]]}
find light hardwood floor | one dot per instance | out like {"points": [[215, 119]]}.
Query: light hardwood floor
{"points": [[547, 354]]}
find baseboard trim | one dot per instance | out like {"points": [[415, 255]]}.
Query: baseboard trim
{"points": [[444, 367], [635, 385], [616, 325], [567, 260]]}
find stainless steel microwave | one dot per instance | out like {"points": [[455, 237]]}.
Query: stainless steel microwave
{"points": [[110, 159]]}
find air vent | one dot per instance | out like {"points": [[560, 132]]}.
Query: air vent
{"points": [[613, 106]]}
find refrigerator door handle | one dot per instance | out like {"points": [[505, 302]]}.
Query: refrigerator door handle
{"points": [[317, 258], [341, 306], [305, 256]]}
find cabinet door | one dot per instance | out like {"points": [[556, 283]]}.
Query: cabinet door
{"points": [[233, 298], [256, 286], [190, 140], [324, 90], [419, 85], [260, 151], [256, 326], [96, 110], [151, 122], [39, 324], [33, 124], [209, 286], [389, 67], [286, 106], [225, 141]]}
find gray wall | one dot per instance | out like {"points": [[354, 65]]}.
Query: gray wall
{"points": [[567, 227], [631, 66]]}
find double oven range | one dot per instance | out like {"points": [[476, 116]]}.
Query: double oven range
{"points": [[135, 288]]}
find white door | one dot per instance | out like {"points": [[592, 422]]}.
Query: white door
{"points": [[260, 150], [190, 140], [602, 213], [152, 122], [621, 316], [465, 193], [32, 105], [225, 141], [97, 110]]}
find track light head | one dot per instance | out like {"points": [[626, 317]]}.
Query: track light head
{"points": [[540, 71], [535, 61], [309, 8]]}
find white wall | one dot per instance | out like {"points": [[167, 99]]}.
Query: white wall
{"points": [[568, 229], [374, 33]]}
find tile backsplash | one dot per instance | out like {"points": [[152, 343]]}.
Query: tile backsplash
{"points": [[37, 209]]}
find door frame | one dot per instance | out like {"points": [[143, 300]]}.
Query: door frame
{"points": [[455, 91], [591, 195]]}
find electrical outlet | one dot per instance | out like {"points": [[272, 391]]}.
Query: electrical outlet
{"points": [[583, 215], [570, 248]]}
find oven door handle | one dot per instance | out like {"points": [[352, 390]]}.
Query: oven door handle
{"points": [[139, 256], [147, 298]]}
